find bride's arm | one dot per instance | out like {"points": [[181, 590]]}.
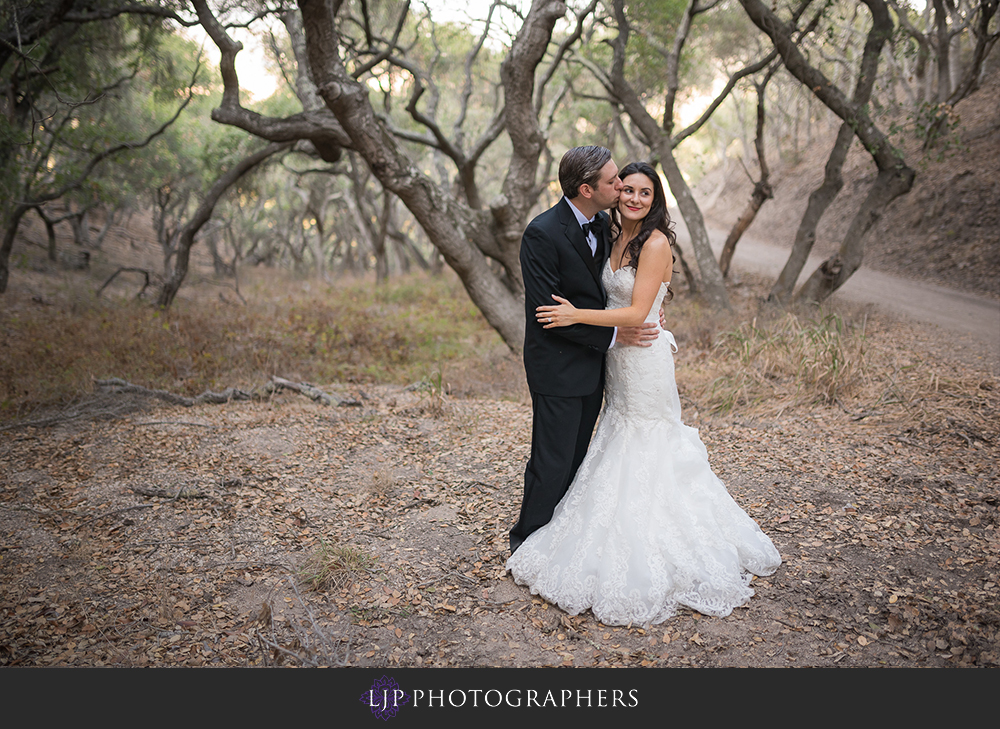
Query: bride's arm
{"points": [[655, 261]]}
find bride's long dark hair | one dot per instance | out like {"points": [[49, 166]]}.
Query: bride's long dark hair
{"points": [[658, 218]]}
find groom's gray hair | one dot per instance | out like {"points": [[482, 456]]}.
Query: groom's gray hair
{"points": [[582, 166]]}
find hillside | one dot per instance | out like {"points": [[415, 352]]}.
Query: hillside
{"points": [[945, 231]]}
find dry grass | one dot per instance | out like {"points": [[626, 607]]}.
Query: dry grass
{"points": [[53, 347], [424, 332], [334, 566], [763, 362], [790, 360]]}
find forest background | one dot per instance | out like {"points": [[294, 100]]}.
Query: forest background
{"points": [[170, 237]]}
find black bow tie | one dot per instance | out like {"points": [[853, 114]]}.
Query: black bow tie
{"points": [[596, 228]]}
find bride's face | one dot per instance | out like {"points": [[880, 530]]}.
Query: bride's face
{"points": [[636, 197]]}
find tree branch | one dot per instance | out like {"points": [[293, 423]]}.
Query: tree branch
{"points": [[389, 47], [319, 126], [560, 53]]}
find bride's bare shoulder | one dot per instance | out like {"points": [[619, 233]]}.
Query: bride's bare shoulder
{"points": [[660, 245], [657, 239], [658, 242]]}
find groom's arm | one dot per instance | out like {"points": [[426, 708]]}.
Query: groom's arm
{"points": [[540, 271]]}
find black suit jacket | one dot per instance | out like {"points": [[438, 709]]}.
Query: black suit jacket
{"points": [[555, 259]]}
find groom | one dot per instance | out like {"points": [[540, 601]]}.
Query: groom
{"points": [[563, 252]]}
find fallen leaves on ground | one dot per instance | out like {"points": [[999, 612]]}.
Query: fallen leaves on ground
{"points": [[181, 537]]}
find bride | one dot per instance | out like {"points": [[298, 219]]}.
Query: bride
{"points": [[646, 526]]}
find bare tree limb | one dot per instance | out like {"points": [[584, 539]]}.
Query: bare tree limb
{"points": [[560, 53], [203, 213], [124, 269], [364, 68]]}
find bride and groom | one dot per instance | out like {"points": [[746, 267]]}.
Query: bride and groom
{"points": [[633, 523]]}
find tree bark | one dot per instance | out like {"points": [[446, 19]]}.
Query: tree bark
{"points": [[318, 126], [381, 254], [712, 283], [761, 192], [13, 221], [832, 273], [50, 234], [110, 217], [943, 52], [80, 223], [408, 250]]}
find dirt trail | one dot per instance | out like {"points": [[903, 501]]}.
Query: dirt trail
{"points": [[971, 323]]}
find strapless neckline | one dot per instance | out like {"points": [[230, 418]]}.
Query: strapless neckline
{"points": [[615, 271]]}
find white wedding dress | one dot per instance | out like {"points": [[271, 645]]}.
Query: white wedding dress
{"points": [[646, 526]]}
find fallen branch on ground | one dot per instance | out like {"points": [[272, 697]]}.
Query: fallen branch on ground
{"points": [[164, 494], [117, 385], [303, 388], [112, 277], [114, 384]]}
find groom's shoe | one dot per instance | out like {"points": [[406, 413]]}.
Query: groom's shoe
{"points": [[514, 544]]}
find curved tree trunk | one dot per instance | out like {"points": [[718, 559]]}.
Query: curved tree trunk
{"points": [[692, 282], [203, 214], [833, 272], [470, 240], [714, 287], [762, 191], [819, 200], [80, 223], [449, 223], [11, 224], [943, 48], [381, 254], [50, 234]]}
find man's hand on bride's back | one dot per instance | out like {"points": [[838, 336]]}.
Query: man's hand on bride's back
{"points": [[640, 336]]}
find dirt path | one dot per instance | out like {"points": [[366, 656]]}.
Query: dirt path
{"points": [[966, 324]]}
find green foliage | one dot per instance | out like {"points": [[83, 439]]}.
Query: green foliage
{"points": [[937, 126], [107, 83]]}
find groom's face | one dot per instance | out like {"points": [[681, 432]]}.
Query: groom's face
{"points": [[609, 187]]}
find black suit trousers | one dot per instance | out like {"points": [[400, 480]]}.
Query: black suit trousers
{"points": [[560, 434]]}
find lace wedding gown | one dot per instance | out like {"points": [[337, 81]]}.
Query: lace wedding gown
{"points": [[646, 526]]}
